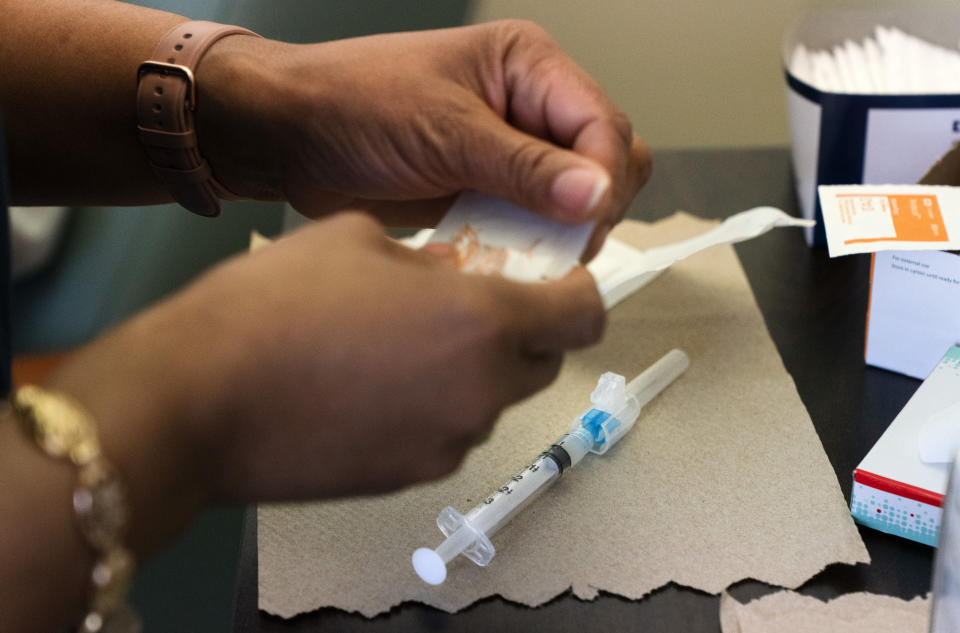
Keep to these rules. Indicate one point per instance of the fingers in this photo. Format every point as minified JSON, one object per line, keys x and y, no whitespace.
{"x":438,"y":253}
{"x":535,"y":173}
{"x":546,"y":320}
{"x":595,"y":243}
{"x":552,"y":317}
{"x":560,"y":315}
{"x":553,"y":141}
{"x":407,"y":213}
{"x":637,"y":175}
{"x":529,"y":375}
{"x":441,"y":250}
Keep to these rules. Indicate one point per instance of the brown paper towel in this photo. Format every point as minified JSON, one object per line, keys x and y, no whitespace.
{"x":789,"y":612}
{"x":722,"y":478}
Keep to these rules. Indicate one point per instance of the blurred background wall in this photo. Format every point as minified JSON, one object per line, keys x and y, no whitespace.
{"x":688,"y":73}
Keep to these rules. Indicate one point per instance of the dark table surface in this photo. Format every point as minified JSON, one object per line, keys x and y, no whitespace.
{"x":814,"y":308}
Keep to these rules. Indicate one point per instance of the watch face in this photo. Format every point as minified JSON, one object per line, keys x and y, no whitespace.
{"x":57,"y":424}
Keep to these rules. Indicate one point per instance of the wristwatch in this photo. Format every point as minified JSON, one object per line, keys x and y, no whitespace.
{"x":166,"y":104}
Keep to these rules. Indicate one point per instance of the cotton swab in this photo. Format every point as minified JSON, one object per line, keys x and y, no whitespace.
{"x":889,"y":62}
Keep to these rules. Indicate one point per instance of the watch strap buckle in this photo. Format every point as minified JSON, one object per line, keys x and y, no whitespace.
{"x":166,"y":68}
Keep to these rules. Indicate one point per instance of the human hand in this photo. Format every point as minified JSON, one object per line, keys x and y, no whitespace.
{"x":397,"y":124}
{"x":335,"y":362}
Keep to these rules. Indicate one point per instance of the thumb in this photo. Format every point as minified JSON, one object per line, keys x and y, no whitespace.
{"x":555,"y":182}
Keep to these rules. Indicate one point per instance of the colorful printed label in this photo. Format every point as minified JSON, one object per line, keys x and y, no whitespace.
{"x":896,"y":515}
{"x":869,"y":218}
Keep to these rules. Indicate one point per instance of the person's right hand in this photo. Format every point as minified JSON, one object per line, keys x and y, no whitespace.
{"x":332,"y":362}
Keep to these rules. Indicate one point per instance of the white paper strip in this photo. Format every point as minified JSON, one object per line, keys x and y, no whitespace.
{"x":619,"y":269}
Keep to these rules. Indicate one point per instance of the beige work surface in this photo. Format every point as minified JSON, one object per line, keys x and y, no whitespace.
{"x":723,"y":477}
{"x":789,"y":612}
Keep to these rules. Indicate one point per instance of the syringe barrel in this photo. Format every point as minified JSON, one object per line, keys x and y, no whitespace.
{"x":575,"y":444}
{"x":495,"y":511}
{"x":616,"y":407}
{"x":656,"y":377}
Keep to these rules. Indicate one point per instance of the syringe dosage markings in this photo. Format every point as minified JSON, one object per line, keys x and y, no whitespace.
{"x":508,"y":487}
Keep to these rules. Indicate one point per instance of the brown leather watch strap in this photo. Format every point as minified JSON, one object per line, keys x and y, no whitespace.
{"x":166,"y":100}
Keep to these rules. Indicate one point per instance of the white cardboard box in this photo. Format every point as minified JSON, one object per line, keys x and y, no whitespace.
{"x":894,"y":491}
{"x":913,"y":312}
{"x":844,"y":139}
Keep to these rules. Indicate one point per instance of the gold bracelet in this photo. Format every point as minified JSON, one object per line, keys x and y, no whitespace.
{"x":64,"y":430}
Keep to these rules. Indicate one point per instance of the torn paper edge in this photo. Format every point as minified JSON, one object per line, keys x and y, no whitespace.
{"x":731,"y":608}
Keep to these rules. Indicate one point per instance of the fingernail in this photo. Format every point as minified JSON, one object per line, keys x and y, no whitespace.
{"x":578,"y":190}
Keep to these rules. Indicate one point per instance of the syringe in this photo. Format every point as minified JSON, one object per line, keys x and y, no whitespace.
{"x":616,"y":406}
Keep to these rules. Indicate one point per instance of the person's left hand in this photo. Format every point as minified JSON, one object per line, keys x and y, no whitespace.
{"x":397,"y":124}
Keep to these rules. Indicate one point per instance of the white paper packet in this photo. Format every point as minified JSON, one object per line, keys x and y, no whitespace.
{"x":618,"y":268}
{"x":491,"y":235}
{"x":870,"y":218}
